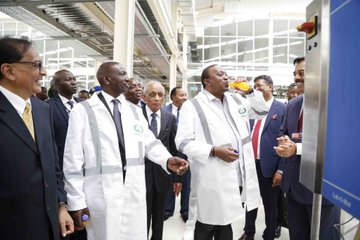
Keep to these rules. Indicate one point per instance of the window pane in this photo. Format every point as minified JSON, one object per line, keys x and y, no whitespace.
{"x":280,"y":50}
{"x":245,"y":28}
{"x":228,"y":30}
{"x":261,"y":27}
{"x":280,"y":27}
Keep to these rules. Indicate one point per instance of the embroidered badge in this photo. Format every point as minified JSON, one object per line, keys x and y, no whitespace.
{"x":242,"y":111}
{"x":275,"y":116}
{"x":138,"y":128}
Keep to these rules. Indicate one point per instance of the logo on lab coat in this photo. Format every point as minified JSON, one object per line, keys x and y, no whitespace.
{"x":138,"y":128}
{"x":242,"y":111}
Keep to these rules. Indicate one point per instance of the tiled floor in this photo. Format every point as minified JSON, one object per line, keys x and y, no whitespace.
{"x":174,"y":227}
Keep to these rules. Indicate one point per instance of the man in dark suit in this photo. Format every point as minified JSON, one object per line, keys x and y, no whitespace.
{"x":300,"y":199}
{"x":268,"y":167}
{"x":158,"y":182}
{"x":178,"y":96}
{"x":32,"y":196}
{"x":61,"y":105}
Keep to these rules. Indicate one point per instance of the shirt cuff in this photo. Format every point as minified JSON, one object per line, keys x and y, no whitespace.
{"x":298,"y":148}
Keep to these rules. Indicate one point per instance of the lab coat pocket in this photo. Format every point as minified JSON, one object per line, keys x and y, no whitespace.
{"x":94,"y":194}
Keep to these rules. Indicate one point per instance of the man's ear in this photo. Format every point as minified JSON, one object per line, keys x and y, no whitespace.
{"x":8,"y":72}
{"x":207,"y":82}
{"x":106,"y":79}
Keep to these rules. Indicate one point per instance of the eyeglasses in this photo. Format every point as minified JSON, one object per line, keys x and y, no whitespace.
{"x":35,"y":64}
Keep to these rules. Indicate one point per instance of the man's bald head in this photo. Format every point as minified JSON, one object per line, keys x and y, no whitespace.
{"x":113,"y":78}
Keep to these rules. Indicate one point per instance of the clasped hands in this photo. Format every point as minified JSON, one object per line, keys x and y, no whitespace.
{"x":177,"y":165}
{"x":286,"y":147}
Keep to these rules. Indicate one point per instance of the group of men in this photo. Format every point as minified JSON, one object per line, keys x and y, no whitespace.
{"x":118,"y":157}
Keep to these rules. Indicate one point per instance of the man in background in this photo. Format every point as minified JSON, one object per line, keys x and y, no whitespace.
{"x":178,"y":96}
{"x":268,"y":166}
{"x":43,"y":94}
{"x":61,"y":105}
{"x":84,"y":94}
{"x":158,"y":182}
{"x":292,"y":91}
{"x":135,"y":92}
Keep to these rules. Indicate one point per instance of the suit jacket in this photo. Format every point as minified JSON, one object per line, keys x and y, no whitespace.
{"x":153,"y":171}
{"x":30,"y":178}
{"x":290,"y":181}
{"x":60,"y":120}
{"x":168,"y":108}
{"x":269,"y":160}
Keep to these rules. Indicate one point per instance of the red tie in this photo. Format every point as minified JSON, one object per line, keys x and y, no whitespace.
{"x":299,"y":129}
{"x":255,"y":137}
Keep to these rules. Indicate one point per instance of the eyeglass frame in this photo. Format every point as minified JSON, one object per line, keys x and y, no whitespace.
{"x":37,"y":64}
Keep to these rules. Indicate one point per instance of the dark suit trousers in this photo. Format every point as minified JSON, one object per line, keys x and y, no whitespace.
{"x":185,"y":194}
{"x":270,"y":196}
{"x":300,"y":220}
{"x":212,"y":232}
{"x":155,"y":202}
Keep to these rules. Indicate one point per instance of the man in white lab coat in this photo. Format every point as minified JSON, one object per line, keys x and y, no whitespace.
{"x":214,"y":133}
{"x":107,"y":140}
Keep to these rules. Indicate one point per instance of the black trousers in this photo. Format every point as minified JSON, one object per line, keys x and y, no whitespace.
{"x":300,"y":220}
{"x":270,"y":196}
{"x":209,"y":232}
{"x":155,"y":202}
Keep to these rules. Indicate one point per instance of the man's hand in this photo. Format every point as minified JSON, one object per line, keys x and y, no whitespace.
{"x":226,"y":153}
{"x":177,"y":187}
{"x":76,"y":216}
{"x":286,"y":147}
{"x":276,"y":179}
{"x":66,"y":222}
{"x":177,"y":165}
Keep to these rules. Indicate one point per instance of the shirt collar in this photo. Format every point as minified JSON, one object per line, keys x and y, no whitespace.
{"x":65,"y":100}
{"x":209,"y":95}
{"x":109,"y":98}
{"x":174,"y":107}
{"x":149,"y":112}
{"x":16,"y":101}
{"x":270,"y":102}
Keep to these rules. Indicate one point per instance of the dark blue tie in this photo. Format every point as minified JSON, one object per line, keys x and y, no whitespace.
{"x":153,"y":124}
{"x":71,"y":103}
{"x":177,"y":115}
{"x":118,"y":124}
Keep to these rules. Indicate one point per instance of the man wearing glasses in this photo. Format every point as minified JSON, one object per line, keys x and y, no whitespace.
{"x":32,"y":196}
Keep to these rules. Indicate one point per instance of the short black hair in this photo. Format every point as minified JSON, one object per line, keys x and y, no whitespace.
{"x":267,"y":79}
{"x":173,"y":92}
{"x":298,"y":60}
{"x":205,"y":74}
{"x":84,"y":91}
{"x":12,"y":50}
{"x":292,"y":85}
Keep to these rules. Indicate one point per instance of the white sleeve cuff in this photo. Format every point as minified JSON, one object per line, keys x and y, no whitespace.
{"x":298,"y":148}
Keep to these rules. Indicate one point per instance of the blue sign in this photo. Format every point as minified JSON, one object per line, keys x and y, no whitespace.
{"x":341,"y":183}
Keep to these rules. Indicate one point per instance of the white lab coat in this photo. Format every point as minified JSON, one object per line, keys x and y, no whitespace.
{"x":215,"y":181}
{"x":117,"y":210}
